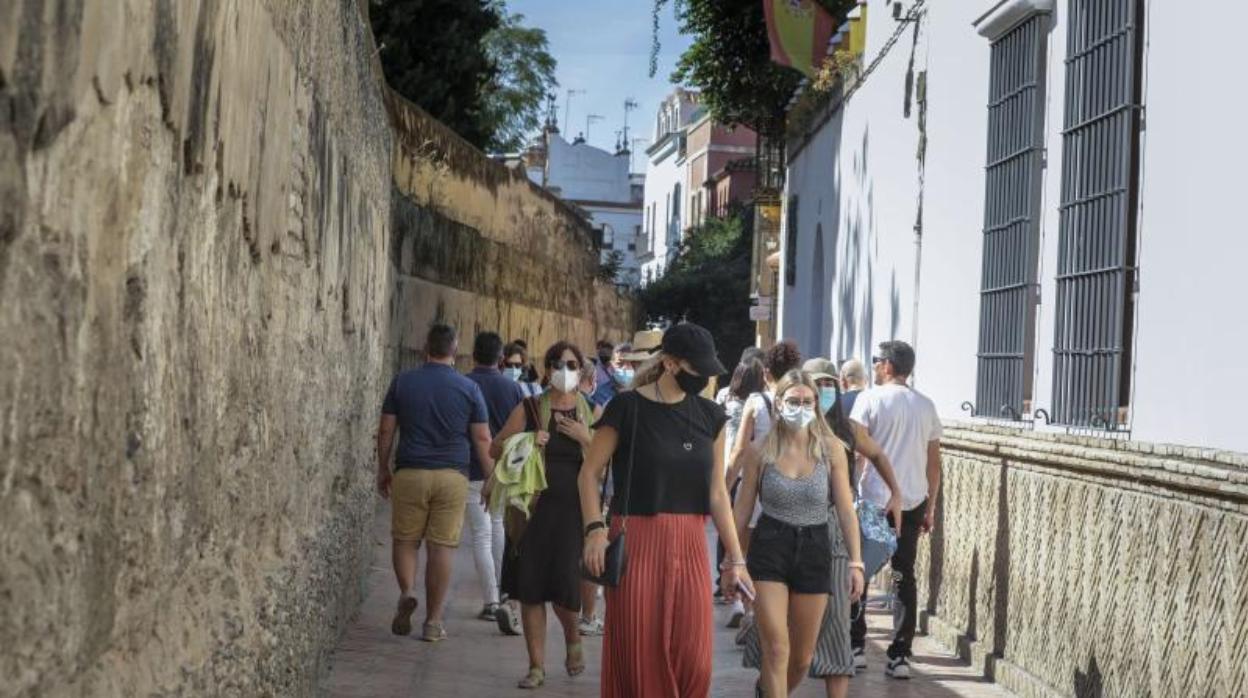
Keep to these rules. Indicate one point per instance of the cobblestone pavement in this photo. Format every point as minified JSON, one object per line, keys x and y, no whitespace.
{"x":478,"y":661}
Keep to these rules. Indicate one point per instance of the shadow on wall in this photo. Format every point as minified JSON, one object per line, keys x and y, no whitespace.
{"x":855,"y":286}
{"x":1089,"y":684}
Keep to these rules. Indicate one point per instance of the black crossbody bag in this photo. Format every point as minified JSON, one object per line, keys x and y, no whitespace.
{"x":615,"y":559}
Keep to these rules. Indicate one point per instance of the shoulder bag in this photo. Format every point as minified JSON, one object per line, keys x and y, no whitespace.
{"x":615,"y":559}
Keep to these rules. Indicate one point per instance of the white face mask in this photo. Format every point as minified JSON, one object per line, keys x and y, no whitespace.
{"x":797,"y":417}
{"x":565,"y":380}
{"x":512,"y":373}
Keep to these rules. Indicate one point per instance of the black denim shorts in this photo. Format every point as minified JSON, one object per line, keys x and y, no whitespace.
{"x":800,"y":557}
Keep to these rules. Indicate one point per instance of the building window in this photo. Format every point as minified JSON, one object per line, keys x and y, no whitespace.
{"x":1008,"y":291}
{"x":1097,"y":225}
{"x":790,"y":244}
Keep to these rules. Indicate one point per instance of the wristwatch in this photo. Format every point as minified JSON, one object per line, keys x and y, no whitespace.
{"x":594,"y":526}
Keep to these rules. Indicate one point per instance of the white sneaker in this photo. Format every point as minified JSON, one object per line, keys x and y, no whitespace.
{"x":898,"y":668}
{"x":590,"y":627}
{"x":738,"y":614}
{"x":860,"y":658}
{"x":508,"y":623}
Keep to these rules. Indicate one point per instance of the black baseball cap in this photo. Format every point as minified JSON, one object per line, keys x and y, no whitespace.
{"x":693,"y":344}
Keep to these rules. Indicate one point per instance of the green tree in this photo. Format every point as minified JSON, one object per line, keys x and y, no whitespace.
{"x":524,"y":73}
{"x":729,"y":61}
{"x":709,"y":283}
{"x":432,"y":53}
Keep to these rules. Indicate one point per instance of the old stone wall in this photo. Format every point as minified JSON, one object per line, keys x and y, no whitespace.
{"x":198,"y":289}
{"x":481,"y":247}
{"x":1078,"y":566}
{"x":194,"y":206}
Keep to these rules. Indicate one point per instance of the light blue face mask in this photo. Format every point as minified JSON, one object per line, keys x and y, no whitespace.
{"x":512,"y":373}
{"x":827,"y":398}
{"x":623,"y":376}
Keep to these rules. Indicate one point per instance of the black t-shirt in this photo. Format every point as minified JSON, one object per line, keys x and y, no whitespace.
{"x":666,"y":478}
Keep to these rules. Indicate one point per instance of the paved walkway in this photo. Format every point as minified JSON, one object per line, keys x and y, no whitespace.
{"x":478,"y":661}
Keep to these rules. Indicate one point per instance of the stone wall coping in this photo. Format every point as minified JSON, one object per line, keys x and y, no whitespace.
{"x":1220,"y":475}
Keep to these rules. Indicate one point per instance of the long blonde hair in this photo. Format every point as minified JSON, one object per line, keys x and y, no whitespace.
{"x":821,"y":438}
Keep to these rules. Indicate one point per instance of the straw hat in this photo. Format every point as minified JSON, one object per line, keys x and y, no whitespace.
{"x":645,"y":344}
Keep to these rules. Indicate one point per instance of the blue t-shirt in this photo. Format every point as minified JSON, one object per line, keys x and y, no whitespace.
{"x":606,"y":388}
{"x":502,"y":394}
{"x":435,"y":406}
{"x":848,"y":398}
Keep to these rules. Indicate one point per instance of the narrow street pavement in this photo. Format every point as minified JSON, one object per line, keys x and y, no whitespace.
{"x":478,"y":661}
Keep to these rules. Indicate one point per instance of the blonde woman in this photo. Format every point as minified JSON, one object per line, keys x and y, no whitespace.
{"x":800,"y":468}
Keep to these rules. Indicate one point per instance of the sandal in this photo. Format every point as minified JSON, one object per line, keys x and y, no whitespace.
{"x":402,"y":623}
{"x":535,"y":679}
{"x":576,"y":659}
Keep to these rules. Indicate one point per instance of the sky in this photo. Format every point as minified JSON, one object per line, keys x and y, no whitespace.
{"x":603,"y":48}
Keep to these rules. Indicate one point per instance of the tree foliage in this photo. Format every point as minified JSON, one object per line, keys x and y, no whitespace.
{"x":708,"y":283}
{"x":729,"y":61}
{"x":469,"y":63}
{"x":525,"y":72}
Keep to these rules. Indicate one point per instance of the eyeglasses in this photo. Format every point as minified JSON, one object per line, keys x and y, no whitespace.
{"x":878,"y":360}
{"x":796,"y":402}
{"x":571,"y":365}
{"x":513,"y":364}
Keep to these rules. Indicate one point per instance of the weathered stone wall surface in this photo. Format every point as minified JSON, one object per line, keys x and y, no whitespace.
{"x":198,"y":289}
{"x":194,"y":208}
{"x":1080,"y":566}
{"x":479,"y":246}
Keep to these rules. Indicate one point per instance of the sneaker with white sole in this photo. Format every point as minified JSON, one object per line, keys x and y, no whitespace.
{"x":745,"y":629}
{"x":590,"y":627}
{"x":898,"y":668}
{"x":506,"y":618}
{"x":738,"y":614}
{"x":488,"y":612}
{"x":402,"y":623}
{"x":860,"y":658}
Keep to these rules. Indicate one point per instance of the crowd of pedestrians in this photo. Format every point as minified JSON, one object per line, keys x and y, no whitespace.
{"x":588,"y":481}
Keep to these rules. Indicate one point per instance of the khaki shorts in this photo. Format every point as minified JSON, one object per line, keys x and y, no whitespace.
{"x":428,"y":505}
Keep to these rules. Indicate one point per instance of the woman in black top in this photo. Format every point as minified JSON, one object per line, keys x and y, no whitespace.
{"x":543,"y":566}
{"x":666,"y":444}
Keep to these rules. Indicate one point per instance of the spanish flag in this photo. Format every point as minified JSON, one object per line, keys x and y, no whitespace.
{"x":799,"y":31}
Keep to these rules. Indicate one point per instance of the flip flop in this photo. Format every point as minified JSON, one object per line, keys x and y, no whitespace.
{"x":576,"y":659}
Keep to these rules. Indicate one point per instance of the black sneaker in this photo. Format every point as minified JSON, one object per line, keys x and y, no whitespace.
{"x":898,"y":668}
{"x":860,"y":658}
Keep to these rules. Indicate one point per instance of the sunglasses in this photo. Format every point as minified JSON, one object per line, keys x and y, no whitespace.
{"x":571,"y":365}
{"x":877,"y":360}
{"x":796,"y":402}
{"x":513,"y":364}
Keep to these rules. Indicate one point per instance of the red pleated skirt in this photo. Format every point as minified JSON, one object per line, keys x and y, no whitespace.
{"x":658,"y":639}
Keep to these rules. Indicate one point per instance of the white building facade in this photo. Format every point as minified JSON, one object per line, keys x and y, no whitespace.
{"x":599,"y":183}
{"x":666,"y":183}
{"x":1041,"y":196}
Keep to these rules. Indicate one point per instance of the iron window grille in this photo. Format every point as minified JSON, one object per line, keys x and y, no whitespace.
{"x":790,"y":244}
{"x":1097,"y":236}
{"x":1013,"y":177}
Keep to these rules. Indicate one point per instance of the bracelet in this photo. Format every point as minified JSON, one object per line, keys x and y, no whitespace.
{"x":731,"y":563}
{"x":594,"y":526}
{"x":859,"y":566}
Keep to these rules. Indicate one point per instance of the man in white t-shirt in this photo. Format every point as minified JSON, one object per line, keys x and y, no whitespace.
{"x":904,"y":422}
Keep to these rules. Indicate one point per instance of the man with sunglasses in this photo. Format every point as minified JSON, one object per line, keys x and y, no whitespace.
{"x":904,"y":422}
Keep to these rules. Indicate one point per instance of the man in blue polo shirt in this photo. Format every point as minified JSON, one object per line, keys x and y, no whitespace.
{"x":442,"y":419}
{"x":485,"y":531}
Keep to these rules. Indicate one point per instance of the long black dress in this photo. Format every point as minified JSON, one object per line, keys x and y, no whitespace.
{"x":545,"y":565}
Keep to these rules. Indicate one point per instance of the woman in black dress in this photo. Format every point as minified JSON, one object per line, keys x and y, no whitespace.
{"x":544,"y":565}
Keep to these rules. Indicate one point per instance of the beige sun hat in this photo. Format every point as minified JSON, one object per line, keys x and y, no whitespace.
{"x":645,"y":344}
{"x":820,"y":369}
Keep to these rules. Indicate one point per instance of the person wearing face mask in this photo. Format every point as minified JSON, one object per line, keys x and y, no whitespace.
{"x":799,"y":471}
{"x":544,"y":565}
{"x":665,"y":443}
{"x":516,"y":367}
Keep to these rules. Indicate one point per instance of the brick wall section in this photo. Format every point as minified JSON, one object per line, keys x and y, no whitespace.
{"x":1081,"y":566}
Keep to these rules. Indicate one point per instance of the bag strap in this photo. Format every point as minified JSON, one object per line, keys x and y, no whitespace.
{"x":632,"y":449}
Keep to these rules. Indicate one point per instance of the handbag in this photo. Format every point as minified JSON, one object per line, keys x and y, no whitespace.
{"x":615,"y":559}
{"x":515,"y":522}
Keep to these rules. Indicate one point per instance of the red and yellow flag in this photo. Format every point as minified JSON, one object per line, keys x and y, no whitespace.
{"x":799,"y":31}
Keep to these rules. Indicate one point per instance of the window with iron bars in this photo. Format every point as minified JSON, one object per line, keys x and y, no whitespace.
{"x":790,"y":244}
{"x":1013,"y":177}
{"x":1096,"y":272}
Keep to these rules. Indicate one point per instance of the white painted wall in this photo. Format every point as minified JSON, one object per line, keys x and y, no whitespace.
{"x":582,"y":172}
{"x":623,"y":223}
{"x":665,"y":177}
{"x":858,"y":179}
